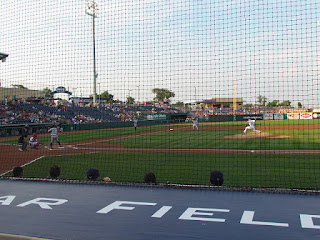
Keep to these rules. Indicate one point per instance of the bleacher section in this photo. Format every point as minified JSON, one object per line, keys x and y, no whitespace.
{"x":104,"y":114}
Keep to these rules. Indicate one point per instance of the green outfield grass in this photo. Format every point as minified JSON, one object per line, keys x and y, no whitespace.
{"x":298,"y":139}
{"x":251,"y":170}
{"x":247,"y":170}
{"x":70,"y":137}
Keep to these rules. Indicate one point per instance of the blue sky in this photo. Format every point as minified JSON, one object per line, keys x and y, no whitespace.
{"x":194,"y":48}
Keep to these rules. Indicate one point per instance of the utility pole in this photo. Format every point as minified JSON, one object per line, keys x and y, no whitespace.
{"x":91,"y":10}
{"x":99,"y":95}
{"x":234,"y":99}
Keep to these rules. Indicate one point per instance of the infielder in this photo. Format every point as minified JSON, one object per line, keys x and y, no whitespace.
{"x":195,"y":124}
{"x":135,"y":124}
{"x":54,"y":136}
{"x":251,"y":125}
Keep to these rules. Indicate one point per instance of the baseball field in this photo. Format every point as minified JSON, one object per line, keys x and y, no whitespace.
{"x":284,"y":155}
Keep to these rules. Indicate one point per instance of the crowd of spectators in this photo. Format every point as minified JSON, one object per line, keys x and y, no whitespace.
{"x":22,"y":112}
{"x":13,"y":114}
{"x":254,"y":110}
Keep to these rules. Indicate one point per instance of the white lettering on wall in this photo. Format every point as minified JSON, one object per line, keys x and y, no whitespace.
{"x":247,"y":218}
{"x":7,"y":199}
{"x":188,"y":214}
{"x":44,"y":203}
{"x":162,"y":211}
{"x":307,"y":221}
{"x":117,"y":205}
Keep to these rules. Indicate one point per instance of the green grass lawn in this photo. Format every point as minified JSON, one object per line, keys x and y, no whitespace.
{"x":69,"y":137}
{"x":299,"y":139}
{"x":250,"y":170}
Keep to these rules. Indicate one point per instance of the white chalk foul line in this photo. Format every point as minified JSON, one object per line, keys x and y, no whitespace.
{"x":117,"y":138}
{"x":24,"y":164}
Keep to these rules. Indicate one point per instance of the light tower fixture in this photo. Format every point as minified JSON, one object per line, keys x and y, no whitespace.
{"x":3,"y":56}
{"x":91,"y":10}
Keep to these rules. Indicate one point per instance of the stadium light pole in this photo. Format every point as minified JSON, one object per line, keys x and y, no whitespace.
{"x":99,"y":94}
{"x":3,"y":58}
{"x":138,"y":87}
{"x":91,"y":10}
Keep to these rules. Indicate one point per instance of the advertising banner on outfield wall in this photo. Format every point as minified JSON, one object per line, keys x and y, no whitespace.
{"x":278,"y":116}
{"x":293,"y":116}
{"x":305,"y":115}
{"x":268,"y":116}
{"x":316,"y":115}
{"x":247,"y":117}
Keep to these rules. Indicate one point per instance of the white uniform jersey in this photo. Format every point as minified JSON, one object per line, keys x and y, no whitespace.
{"x":251,"y":123}
{"x":32,"y":140}
{"x":54,"y":131}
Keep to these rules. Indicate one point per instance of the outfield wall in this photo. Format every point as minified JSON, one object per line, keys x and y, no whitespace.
{"x":16,"y":130}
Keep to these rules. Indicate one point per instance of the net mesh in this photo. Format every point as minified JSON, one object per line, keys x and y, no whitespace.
{"x":174,"y":88}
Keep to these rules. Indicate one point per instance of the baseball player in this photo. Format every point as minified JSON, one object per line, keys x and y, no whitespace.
{"x":251,"y":125}
{"x":23,"y":136}
{"x":195,"y":124}
{"x":23,"y":142}
{"x":135,"y":123}
{"x":34,"y":142}
{"x":54,"y":136}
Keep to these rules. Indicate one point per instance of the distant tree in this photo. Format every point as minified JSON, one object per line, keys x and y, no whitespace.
{"x":262,"y":100}
{"x":46,"y":92}
{"x":18,"y":86}
{"x":274,"y":103}
{"x":248,"y":105}
{"x":162,"y":94}
{"x":117,"y":101}
{"x":285,"y":103}
{"x":299,"y":105}
{"x":105,"y":95}
{"x":178,"y":104}
{"x":130,"y":100}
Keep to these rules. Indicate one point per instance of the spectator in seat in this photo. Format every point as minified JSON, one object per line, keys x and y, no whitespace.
{"x":55,"y":172}
{"x":18,"y":171}
{"x":150,"y":178}
{"x":94,"y":174}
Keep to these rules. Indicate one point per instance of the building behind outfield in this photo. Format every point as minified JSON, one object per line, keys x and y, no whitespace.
{"x":222,"y":103}
{"x":19,"y":93}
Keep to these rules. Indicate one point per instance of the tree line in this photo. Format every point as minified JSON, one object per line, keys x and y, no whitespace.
{"x":263,"y":101}
{"x":164,"y":95}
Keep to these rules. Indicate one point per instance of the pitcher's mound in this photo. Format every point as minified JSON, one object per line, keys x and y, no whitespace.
{"x":253,"y":135}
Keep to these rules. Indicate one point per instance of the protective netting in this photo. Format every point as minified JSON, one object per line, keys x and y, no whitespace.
{"x":172,"y":90}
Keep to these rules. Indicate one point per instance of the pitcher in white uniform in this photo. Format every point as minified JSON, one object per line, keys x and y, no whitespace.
{"x":251,"y":125}
{"x":195,"y":124}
